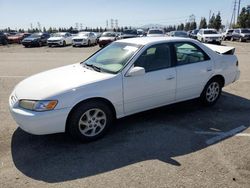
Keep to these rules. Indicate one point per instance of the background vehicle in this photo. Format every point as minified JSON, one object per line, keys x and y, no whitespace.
{"x":129,"y":33}
{"x":209,"y":36}
{"x":106,"y":38}
{"x":84,"y":39}
{"x":227,"y":35}
{"x":155,"y":33}
{"x":193,"y":33}
{"x":17,"y":38}
{"x":241,"y":34}
{"x":3,"y":39}
{"x":111,"y":84}
{"x":36,"y":39}
{"x":178,"y":34}
{"x":60,"y":39}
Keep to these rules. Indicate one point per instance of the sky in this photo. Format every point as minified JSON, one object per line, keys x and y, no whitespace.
{"x":94,"y":13}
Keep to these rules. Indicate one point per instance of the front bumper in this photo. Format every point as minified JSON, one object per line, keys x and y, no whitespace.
{"x":212,"y":40}
{"x":80,"y":43}
{"x":30,"y":43}
{"x":39,"y":123}
{"x":55,"y":43}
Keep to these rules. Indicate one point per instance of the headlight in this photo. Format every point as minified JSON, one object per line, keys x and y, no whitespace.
{"x":38,"y":105}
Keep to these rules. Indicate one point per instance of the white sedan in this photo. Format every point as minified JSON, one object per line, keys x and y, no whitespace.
{"x":126,"y":77}
{"x":85,"y":39}
{"x":209,"y":36}
{"x":60,"y":39}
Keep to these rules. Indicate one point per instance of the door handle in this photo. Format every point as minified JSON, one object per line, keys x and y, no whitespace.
{"x":170,"y":78}
{"x":209,"y":69}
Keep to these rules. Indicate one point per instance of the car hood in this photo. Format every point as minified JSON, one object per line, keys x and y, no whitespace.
{"x":30,"y":38}
{"x":57,"y":81}
{"x":80,"y":37}
{"x":55,"y":38}
{"x":212,"y":35}
{"x":155,"y":35}
{"x":107,"y":38}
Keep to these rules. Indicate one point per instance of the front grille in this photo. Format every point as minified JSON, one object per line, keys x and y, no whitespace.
{"x":78,"y":40}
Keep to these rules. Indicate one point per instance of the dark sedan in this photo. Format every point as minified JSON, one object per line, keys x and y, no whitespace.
{"x":193,"y":33}
{"x":3,"y":39}
{"x":36,"y":39}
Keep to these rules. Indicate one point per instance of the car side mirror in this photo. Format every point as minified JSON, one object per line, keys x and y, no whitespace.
{"x":136,"y":71}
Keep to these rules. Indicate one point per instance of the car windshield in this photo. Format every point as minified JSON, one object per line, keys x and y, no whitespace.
{"x":245,"y":31}
{"x":108,"y":35}
{"x":155,"y":32}
{"x":58,"y":35}
{"x":210,"y":32}
{"x":180,"y":33}
{"x":130,"y":31}
{"x":112,"y":58}
{"x":35,"y":35}
{"x":83,"y":34}
{"x":230,"y":31}
{"x":195,"y":31}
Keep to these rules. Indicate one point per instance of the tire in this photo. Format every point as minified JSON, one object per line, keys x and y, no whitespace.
{"x":89,"y":43}
{"x":211,"y":93}
{"x":89,"y":121}
{"x":232,"y":39}
{"x":64,"y":43}
{"x":202,"y":40}
{"x":40,"y":44}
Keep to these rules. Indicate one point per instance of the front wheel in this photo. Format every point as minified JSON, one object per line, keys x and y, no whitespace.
{"x":89,"y":121}
{"x":211,"y":92}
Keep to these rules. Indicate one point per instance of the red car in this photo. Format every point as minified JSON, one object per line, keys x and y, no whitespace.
{"x":106,"y":38}
{"x":17,"y":38}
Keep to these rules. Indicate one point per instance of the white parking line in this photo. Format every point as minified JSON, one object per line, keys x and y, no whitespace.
{"x":222,"y":135}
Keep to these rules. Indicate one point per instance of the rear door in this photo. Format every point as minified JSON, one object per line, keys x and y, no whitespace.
{"x":194,"y":68}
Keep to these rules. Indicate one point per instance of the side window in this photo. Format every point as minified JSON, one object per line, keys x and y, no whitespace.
{"x":155,"y":58}
{"x":187,"y":53}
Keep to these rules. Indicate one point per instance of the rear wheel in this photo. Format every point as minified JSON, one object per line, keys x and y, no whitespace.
{"x":211,"y":92}
{"x":89,"y":121}
{"x":64,"y":43}
{"x":89,"y":43}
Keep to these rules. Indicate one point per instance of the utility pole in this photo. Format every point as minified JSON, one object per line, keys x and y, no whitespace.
{"x":233,"y":18}
{"x":238,"y":9}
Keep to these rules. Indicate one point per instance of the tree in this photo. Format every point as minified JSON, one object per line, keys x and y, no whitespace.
{"x":203,"y":23}
{"x":211,"y":22}
{"x":244,"y":18}
{"x":193,"y":25}
{"x":187,"y":26}
{"x":217,"y":21}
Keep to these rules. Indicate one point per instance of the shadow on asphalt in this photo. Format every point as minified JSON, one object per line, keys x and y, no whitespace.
{"x":161,"y":134}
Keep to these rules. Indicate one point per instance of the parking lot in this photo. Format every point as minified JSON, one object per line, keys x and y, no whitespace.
{"x":181,"y":145}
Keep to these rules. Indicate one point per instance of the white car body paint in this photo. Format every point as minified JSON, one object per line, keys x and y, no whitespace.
{"x":58,"y":40}
{"x":74,"y":83}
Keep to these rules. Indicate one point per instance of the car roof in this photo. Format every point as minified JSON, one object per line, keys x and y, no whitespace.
{"x":152,"y":40}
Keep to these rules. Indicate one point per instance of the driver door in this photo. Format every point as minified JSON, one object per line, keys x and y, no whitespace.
{"x":154,"y":88}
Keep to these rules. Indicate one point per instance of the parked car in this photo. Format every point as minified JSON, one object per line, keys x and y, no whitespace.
{"x":17,"y":38}
{"x":227,"y":35}
{"x":60,"y":39}
{"x":3,"y":39}
{"x":178,"y":34}
{"x":241,"y":34}
{"x":126,"y":77}
{"x":85,"y":39}
{"x":129,"y":33}
{"x":106,"y":38}
{"x":209,"y":36}
{"x":193,"y":34}
{"x":155,"y":33}
{"x":36,"y":39}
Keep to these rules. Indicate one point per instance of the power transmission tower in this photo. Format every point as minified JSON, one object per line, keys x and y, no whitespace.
{"x":107,"y":24}
{"x":233,"y":18}
{"x":112,"y":23}
{"x":116,"y":24}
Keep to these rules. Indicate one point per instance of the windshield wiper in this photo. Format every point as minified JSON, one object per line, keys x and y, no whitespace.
{"x":98,"y":69}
